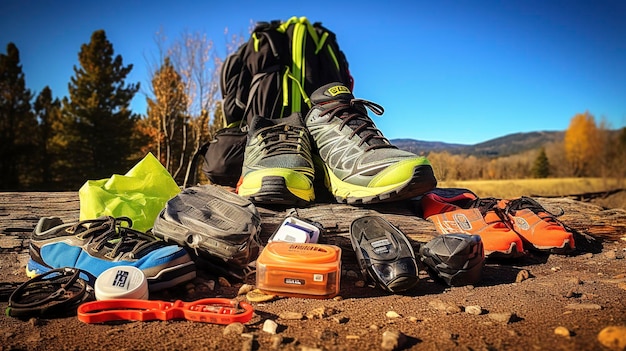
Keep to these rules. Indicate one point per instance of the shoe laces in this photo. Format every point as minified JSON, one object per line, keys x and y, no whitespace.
{"x":285,"y":139}
{"x":353,"y":113}
{"x":115,"y":235}
{"x":490,"y":204}
{"x":525,"y":202}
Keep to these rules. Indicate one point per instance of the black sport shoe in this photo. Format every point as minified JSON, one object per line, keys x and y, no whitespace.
{"x":361,"y":165}
{"x":95,"y":245}
{"x":278,"y":167}
{"x":384,"y":253}
{"x":456,"y":259}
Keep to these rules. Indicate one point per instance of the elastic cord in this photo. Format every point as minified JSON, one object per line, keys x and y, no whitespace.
{"x":56,"y":292}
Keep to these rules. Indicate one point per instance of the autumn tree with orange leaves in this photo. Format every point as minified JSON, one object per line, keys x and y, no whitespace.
{"x":582,"y":143}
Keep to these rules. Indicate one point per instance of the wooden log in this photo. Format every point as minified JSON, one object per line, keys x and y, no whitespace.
{"x":20,"y":211}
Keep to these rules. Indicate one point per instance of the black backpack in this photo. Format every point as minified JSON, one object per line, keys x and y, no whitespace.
{"x":271,"y":75}
{"x":281,"y":65}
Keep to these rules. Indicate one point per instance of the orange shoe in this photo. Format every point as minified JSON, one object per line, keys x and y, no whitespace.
{"x":484,"y":219}
{"x":538,"y":228}
{"x":440,"y":200}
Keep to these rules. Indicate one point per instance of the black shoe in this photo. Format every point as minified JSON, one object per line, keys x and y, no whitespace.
{"x":384,"y":253}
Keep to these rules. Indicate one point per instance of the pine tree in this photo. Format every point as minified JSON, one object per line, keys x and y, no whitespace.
{"x":17,"y":124}
{"x":101,"y":122}
{"x":541,"y":167}
{"x":48,"y":113}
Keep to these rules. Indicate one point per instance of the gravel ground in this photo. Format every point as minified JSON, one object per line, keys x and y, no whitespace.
{"x":540,"y":302}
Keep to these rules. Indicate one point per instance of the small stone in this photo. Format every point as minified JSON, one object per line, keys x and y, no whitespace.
{"x":392,"y":314}
{"x":562,"y":331}
{"x":211,"y":285}
{"x":321,"y":312}
{"x":257,"y":295}
{"x":352,"y":337}
{"x":521,"y":276}
{"x":245,"y":288}
{"x":587,"y":256}
{"x":269,"y":326}
{"x":234,"y":328}
{"x":413,"y":319}
{"x":613,"y":337}
{"x":248,"y":342}
{"x":504,"y":317}
{"x":555,"y":269}
{"x":393,"y":340}
{"x":35,"y":321}
{"x":374,"y":327}
{"x":277,"y":340}
{"x":293,"y":316}
{"x":610,"y":255}
{"x":621,"y":285}
{"x":444,"y":306}
{"x":224,"y":282}
{"x":337,"y":298}
{"x":341,"y":320}
{"x":474,"y":309}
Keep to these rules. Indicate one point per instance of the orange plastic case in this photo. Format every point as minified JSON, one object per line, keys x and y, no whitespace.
{"x":299,"y":269}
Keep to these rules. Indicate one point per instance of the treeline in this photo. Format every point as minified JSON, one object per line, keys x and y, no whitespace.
{"x":47,"y":143}
{"x":588,"y":149}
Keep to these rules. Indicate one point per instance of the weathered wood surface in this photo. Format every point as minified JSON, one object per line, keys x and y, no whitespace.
{"x":20,"y":211}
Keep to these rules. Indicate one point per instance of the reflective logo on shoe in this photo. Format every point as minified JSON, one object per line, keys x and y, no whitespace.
{"x":462,"y":221}
{"x":522,"y":223}
{"x":381,"y":246}
{"x":339,"y":89}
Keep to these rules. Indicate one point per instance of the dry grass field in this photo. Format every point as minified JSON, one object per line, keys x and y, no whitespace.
{"x":549,"y":187}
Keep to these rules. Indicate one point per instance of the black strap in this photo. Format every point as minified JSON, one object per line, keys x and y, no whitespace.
{"x":54,"y":293}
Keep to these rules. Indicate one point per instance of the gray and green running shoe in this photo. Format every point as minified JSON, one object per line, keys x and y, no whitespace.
{"x":361,"y":165}
{"x":278,"y":166}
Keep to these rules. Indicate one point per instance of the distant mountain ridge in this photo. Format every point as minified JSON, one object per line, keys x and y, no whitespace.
{"x":503,"y":146}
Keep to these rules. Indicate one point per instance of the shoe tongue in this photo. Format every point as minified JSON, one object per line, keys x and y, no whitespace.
{"x":330,"y":92}
{"x":334,"y":93}
{"x":259,"y":122}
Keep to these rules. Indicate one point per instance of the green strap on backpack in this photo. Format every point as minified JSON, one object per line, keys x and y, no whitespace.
{"x":274,"y":73}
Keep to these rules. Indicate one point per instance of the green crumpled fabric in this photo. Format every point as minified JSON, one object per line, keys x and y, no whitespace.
{"x":140,"y":194}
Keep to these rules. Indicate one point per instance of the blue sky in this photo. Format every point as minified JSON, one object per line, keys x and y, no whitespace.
{"x":453,"y":71}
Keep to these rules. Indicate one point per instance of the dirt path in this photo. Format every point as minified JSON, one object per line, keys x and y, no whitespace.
{"x":541,"y":302}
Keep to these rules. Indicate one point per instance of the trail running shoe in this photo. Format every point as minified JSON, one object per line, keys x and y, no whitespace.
{"x":361,"y":165}
{"x":278,"y":168}
{"x":440,"y":200}
{"x":484,"y":218}
{"x":384,"y":253}
{"x":538,"y":228}
{"x":94,"y":245}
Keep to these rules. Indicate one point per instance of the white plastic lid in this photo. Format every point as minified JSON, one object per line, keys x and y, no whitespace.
{"x":122,"y":282}
{"x":295,"y":230}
